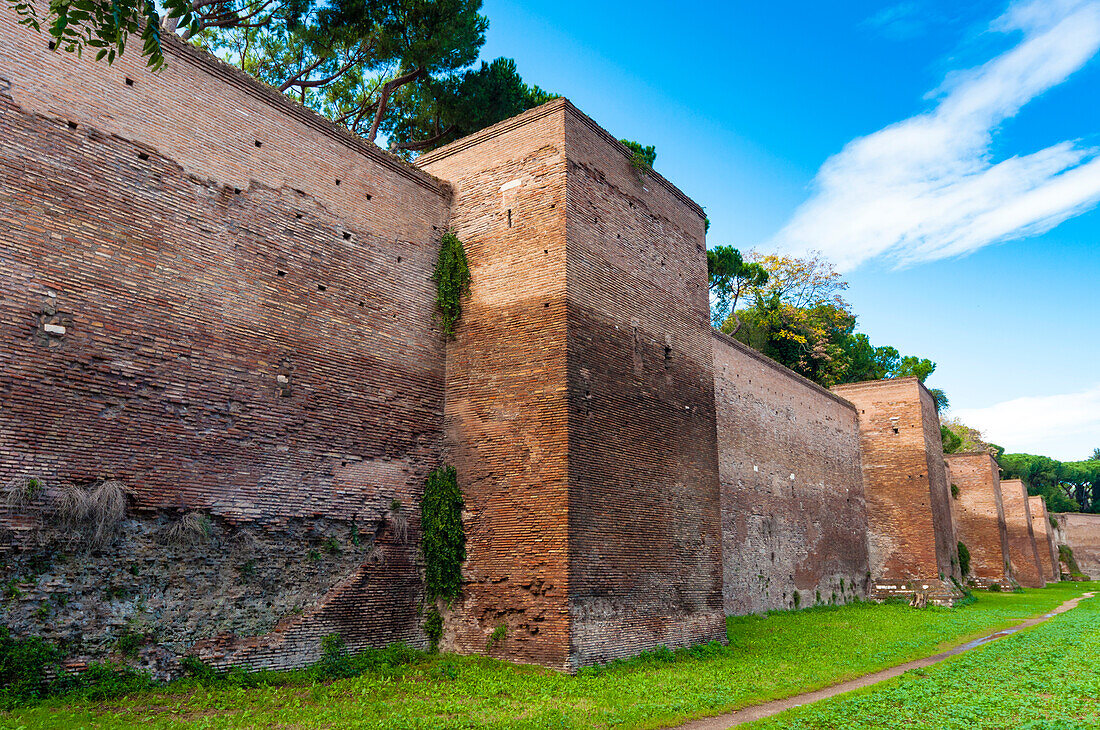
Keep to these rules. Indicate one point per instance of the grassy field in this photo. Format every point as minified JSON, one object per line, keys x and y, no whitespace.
{"x":768,"y":657}
{"x":1044,"y":678}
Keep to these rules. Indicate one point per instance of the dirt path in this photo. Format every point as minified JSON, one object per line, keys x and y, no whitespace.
{"x":757,"y":712}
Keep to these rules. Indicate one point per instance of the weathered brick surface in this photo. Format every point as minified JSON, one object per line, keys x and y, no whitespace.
{"x":1081,"y":532}
{"x":190,"y":309}
{"x":645,"y":554}
{"x":912,"y":541}
{"x":580,"y":398}
{"x":1023,"y":552}
{"x":506,"y":419}
{"x":980,"y":517}
{"x":794,"y":518}
{"x":1044,"y":538}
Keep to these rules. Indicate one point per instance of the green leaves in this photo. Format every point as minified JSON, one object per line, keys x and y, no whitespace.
{"x":642,"y":157}
{"x":452,"y":281}
{"x":444,"y":539}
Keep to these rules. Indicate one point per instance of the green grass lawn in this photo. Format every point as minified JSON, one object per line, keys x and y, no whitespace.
{"x":768,"y":657}
{"x":1045,"y":677}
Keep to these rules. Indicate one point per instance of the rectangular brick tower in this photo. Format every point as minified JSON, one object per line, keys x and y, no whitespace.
{"x":1023,"y":553}
{"x":912,"y":544}
{"x":1044,"y":538}
{"x":580,"y":398}
{"x":980,"y":520}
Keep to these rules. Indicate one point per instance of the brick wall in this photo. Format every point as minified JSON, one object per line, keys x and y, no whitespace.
{"x":506,"y":419}
{"x":1081,"y":532}
{"x":911,"y":535}
{"x":794,"y":518}
{"x":1023,"y":553}
{"x":190,"y":309}
{"x":580,"y":401}
{"x":645,"y":554}
{"x":1044,"y":538}
{"x":980,"y":518}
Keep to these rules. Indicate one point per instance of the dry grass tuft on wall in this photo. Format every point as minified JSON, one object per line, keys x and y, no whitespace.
{"x":95,"y":512}
{"x":192,"y":528}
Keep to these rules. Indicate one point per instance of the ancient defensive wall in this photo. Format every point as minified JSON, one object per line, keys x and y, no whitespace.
{"x":219,"y":325}
{"x":1044,"y":538}
{"x":980,"y":517}
{"x":221,"y":302}
{"x":580,"y":396}
{"x":794,"y":518}
{"x":1081,"y":532}
{"x":1023,"y":551}
{"x":913,"y":548}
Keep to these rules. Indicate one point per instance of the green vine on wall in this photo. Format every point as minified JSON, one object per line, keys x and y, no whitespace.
{"x":964,"y":560}
{"x":452,"y":281}
{"x":444,"y":540}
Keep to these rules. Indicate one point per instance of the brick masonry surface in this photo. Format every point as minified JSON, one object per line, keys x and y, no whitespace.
{"x":224,"y":303}
{"x":911,"y":535}
{"x":794,"y":519}
{"x":980,"y":518}
{"x":189,"y":309}
{"x":1023,"y":553}
{"x":580,"y":397}
{"x":1081,"y":532}
{"x":1044,"y":538}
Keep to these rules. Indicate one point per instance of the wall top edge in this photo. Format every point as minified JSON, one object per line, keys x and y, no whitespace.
{"x":563,"y":105}
{"x":205,"y":61}
{"x":760,"y":357}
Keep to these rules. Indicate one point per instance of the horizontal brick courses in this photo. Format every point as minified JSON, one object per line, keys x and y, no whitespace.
{"x":912,"y":542}
{"x":1023,"y":552}
{"x":1044,"y":541}
{"x":980,"y":517}
{"x":794,"y":517}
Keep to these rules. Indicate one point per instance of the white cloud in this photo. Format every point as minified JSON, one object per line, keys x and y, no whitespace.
{"x":1065,"y":427}
{"x":928,"y":188}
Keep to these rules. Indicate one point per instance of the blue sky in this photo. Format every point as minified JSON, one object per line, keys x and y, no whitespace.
{"x":944,"y":157}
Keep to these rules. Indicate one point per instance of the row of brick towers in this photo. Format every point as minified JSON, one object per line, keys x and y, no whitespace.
{"x":224,"y":303}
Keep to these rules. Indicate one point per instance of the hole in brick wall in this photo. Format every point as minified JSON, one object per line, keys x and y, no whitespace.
{"x":143,"y":155}
{"x":360,"y":304}
{"x":337,"y":181}
{"x":546,"y":305}
{"x":321,"y":287}
{"x":398,"y":259}
{"x":236,"y":191}
{"x":546,"y":250}
{"x":509,"y":217}
{"x":259,"y":143}
{"x":129,"y":81}
{"x":52,"y":45}
{"x":347,"y":236}
{"x":895,"y":430}
{"x":668,"y":357}
{"x":298,"y":216}
{"x":280,"y":272}
{"x":72,"y":125}
{"x":368,"y":198}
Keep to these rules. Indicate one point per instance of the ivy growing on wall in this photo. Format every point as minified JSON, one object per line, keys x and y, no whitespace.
{"x":443,"y":541}
{"x":964,"y":560}
{"x":452,"y":281}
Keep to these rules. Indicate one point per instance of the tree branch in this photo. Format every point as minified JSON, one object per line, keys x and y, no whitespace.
{"x":384,"y":97}
{"x":418,"y":145}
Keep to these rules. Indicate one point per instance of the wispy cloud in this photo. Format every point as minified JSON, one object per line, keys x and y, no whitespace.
{"x":901,"y":22}
{"x":1065,"y":427}
{"x":928,"y":187}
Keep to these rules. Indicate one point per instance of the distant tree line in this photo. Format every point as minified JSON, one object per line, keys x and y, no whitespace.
{"x":1067,"y":486}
